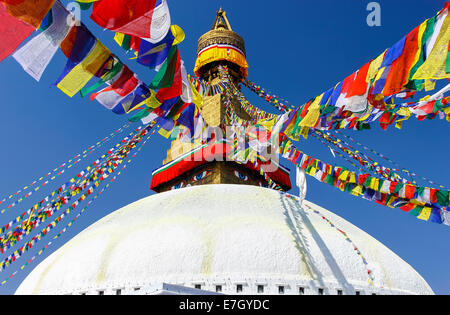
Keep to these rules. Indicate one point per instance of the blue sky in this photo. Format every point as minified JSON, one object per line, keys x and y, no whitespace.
{"x":297,"y":49}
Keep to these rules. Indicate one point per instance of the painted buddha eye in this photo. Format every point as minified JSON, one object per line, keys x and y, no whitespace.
{"x":178,"y":186}
{"x":200,"y":176}
{"x":241,"y":176}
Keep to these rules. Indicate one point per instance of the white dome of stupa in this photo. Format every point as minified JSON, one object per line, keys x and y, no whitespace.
{"x":236,"y":239}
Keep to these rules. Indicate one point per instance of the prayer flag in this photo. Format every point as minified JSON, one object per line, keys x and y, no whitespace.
{"x":35,"y":56}
{"x":80,"y":75}
{"x":31,"y":12}
{"x":145,"y":19}
{"x":154,"y":55}
{"x":12,"y":32}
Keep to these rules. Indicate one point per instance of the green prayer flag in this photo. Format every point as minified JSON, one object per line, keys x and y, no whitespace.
{"x":416,"y":211}
{"x":175,"y":108}
{"x":85,"y":5}
{"x":398,"y":188}
{"x":442,"y":197}
{"x":447,"y":63}
{"x":116,"y":68}
{"x":126,"y":43}
{"x":165,"y":75}
{"x":418,"y":84}
{"x":140,"y":115}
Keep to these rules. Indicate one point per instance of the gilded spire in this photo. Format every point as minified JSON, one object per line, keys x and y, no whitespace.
{"x":221,"y":33}
{"x":221,"y":21}
{"x":226,"y":45}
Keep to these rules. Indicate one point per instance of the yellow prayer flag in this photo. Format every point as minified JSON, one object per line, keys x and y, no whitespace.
{"x":344,"y":175}
{"x":425,"y":214}
{"x":80,"y":75}
{"x":434,"y":65}
{"x":357,"y":190}
{"x":151,"y":102}
{"x":197,"y":99}
{"x":166,"y":134}
{"x":374,"y":67}
{"x":304,"y":131}
{"x":313,"y":113}
{"x":352,"y":178}
{"x":430,"y":85}
{"x":178,"y":34}
{"x":374,"y":183}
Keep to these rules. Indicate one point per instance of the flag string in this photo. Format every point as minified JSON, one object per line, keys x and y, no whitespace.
{"x":101,"y":171}
{"x":19,"y":253}
{"x":61,"y":170}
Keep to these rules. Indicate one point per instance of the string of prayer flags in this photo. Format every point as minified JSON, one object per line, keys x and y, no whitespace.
{"x":427,"y":204}
{"x":362,"y":159}
{"x":64,"y":188}
{"x":94,"y":177}
{"x":28,"y":245}
{"x":371,"y":277}
{"x":415,"y":63}
{"x":60,"y":170}
{"x":398,"y":167}
{"x":144,"y":27}
{"x":267,"y":96}
{"x":229,"y":87}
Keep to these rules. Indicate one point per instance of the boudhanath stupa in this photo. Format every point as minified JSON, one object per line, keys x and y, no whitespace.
{"x":216,"y":227}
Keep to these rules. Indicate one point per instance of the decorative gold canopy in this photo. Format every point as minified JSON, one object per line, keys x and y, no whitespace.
{"x":221,"y":43}
{"x":221,"y":33}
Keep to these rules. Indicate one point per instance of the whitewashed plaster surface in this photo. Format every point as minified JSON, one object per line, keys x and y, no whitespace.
{"x":222,"y":235}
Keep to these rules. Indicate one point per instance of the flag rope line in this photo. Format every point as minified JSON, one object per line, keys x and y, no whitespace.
{"x":62,"y":168}
{"x":76,"y":217}
{"x":365,"y":161}
{"x":400,"y":168}
{"x":379,"y":167}
{"x":64,"y":195}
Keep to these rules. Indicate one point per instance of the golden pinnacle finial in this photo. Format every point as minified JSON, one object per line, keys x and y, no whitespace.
{"x":221,"y":43}
{"x":221,"y":21}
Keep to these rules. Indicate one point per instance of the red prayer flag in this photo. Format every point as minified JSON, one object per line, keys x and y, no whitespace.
{"x":433,"y":196}
{"x":399,"y":73}
{"x":177,"y":86}
{"x":131,"y":17}
{"x":305,"y":109}
{"x":123,"y":86}
{"x":408,"y":207}
{"x":348,"y":83}
{"x":359,"y":86}
{"x":31,"y":12}
{"x":409,"y":191}
{"x":12,"y":32}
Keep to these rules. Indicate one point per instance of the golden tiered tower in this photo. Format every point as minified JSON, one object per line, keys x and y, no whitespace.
{"x":220,"y":46}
